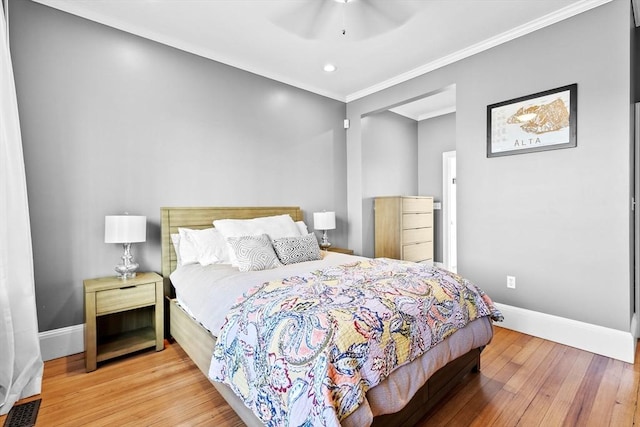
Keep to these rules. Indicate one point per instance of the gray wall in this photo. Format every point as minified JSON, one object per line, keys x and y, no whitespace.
{"x":435,"y":136}
{"x":557,"y":220}
{"x":112,"y":122}
{"x":390,"y":164}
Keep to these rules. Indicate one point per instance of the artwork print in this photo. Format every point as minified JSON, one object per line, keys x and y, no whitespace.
{"x":538,"y":122}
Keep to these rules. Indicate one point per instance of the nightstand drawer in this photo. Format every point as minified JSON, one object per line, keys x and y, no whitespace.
{"x":125,"y":298}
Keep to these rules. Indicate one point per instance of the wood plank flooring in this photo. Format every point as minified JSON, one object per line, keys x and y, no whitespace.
{"x":525,"y":381}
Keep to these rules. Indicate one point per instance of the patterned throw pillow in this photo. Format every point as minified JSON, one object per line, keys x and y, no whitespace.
{"x":254,"y":252}
{"x":297,"y":249}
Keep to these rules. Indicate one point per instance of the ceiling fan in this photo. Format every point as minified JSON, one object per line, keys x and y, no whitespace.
{"x":351,"y":19}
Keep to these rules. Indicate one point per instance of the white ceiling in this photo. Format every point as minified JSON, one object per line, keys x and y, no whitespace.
{"x":386,"y":41}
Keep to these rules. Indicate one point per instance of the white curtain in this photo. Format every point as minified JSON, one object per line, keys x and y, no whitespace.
{"x":20,"y":359}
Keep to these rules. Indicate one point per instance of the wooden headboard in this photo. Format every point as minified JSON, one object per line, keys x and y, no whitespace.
{"x":203,"y":217}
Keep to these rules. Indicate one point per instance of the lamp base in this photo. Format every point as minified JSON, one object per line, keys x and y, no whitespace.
{"x":127,"y":270}
{"x":126,"y":274}
{"x":324,"y":243}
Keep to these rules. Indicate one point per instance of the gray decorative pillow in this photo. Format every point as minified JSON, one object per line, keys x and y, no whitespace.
{"x":254,"y":252}
{"x":297,"y":249}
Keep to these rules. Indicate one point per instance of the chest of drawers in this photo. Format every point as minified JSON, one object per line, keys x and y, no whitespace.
{"x":404,"y":228}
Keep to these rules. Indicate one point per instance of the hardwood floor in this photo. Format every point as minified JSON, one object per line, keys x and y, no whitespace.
{"x":525,"y":381}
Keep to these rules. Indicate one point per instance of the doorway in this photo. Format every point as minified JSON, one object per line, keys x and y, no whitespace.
{"x":449,"y":208}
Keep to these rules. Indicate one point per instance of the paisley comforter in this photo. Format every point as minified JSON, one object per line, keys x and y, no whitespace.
{"x":305,"y":350}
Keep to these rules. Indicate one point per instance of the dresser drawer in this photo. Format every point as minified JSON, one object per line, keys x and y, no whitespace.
{"x":417,"y":252}
{"x":417,"y":235}
{"x":125,"y":298}
{"x":417,"y":205}
{"x":417,"y":220}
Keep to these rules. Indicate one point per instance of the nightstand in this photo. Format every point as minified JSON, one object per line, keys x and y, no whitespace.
{"x":341,"y":250}
{"x":122,"y":316}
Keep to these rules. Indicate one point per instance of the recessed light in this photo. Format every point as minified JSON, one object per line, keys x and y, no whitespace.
{"x":330,"y":68}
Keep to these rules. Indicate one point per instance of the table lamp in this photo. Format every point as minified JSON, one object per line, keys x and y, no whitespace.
{"x":324,"y":221}
{"x":125,"y":229}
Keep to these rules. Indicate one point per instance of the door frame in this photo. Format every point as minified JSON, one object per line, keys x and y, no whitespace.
{"x":447,"y":156}
{"x":635,"y":224}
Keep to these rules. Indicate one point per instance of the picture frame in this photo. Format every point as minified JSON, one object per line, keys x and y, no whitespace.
{"x":538,"y":122}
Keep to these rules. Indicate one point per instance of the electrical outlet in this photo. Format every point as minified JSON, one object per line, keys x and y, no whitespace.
{"x":511,"y":282}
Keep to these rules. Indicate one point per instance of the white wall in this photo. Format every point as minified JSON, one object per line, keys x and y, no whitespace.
{"x":557,"y":220}
{"x":435,"y":136}
{"x":390,"y":164}
{"x":112,"y":122}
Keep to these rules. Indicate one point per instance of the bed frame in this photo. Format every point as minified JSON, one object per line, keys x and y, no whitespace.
{"x":198,"y":342}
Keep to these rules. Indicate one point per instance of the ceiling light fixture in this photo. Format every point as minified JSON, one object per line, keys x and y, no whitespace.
{"x":330,"y":68}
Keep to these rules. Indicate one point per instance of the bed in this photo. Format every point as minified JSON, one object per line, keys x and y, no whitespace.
{"x":450,"y":361}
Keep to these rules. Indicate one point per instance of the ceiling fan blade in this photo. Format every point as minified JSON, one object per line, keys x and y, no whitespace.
{"x":391,"y":11}
{"x":368,"y":18}
{"x":307,"y":18}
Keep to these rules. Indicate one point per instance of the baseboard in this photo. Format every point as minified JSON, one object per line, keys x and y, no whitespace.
{"x":596,"y":339}
{"x":61,"y":342}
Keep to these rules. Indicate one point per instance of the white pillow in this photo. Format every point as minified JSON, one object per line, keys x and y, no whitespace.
{"x":209,"y":245}
{"x":302,"y":228}
{"x":254,"y":253}
{"x":276,"y":227}
{"x":187,"y":252}
{"x":175,"y":239}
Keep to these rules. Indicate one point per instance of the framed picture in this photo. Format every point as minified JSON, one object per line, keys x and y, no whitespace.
{"x":538,"y":122}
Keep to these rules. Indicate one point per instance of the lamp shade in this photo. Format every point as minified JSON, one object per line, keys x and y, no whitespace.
{"x":125,"y":228}
{"x":324,"y":220}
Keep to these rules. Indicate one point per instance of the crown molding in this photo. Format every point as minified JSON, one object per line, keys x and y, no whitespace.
{"x":77,"y":9}
{"x":545,"y":21}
